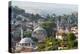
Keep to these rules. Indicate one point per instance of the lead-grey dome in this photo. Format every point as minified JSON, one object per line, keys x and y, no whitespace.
{"x":26,"y":43}
{"x":26,"y":40}
{"x":39,"y":33}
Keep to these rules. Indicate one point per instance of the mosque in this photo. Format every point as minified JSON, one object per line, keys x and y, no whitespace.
{"x":27,"y":44}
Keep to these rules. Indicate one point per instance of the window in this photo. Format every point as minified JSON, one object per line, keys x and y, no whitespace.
{"x":23,"y":44}
{"x":33,"y":43}
{"x":27,"y":44}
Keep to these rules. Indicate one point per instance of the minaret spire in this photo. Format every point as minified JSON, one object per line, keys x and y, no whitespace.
{"x":21,"y":33}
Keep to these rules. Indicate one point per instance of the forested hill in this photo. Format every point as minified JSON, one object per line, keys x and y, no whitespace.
{"x":71,"y":18}
{"x":18,"y":11}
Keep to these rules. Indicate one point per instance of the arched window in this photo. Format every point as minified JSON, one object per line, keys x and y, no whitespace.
{"x":27,"y":44}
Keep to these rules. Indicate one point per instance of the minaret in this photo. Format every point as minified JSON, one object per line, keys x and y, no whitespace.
{"x":57,"y":25}
{"x":22,"y":27}
{"x":21,"y":33}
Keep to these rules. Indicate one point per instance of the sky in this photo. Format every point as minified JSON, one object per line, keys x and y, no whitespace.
{"x":45,"y":8}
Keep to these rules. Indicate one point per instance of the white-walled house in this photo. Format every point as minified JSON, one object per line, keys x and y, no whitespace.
{"x":75,"y":31}
{"x":59,"y":34}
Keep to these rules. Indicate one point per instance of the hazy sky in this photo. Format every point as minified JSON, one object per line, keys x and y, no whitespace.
{"x":45,"y":8}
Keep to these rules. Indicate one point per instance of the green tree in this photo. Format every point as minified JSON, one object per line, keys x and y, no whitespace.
{"x":49,"y":26}
{"x":71,"y":36}
{"x":49,"y":44}
{"x":34,"y":39}
{"x":27,"y":34}
{"x":71,"y":40}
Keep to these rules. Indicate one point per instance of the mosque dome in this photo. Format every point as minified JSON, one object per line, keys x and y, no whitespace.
{"x":26,"y":45}
{"x":39,"y":33}
{"x":26,"y":40}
